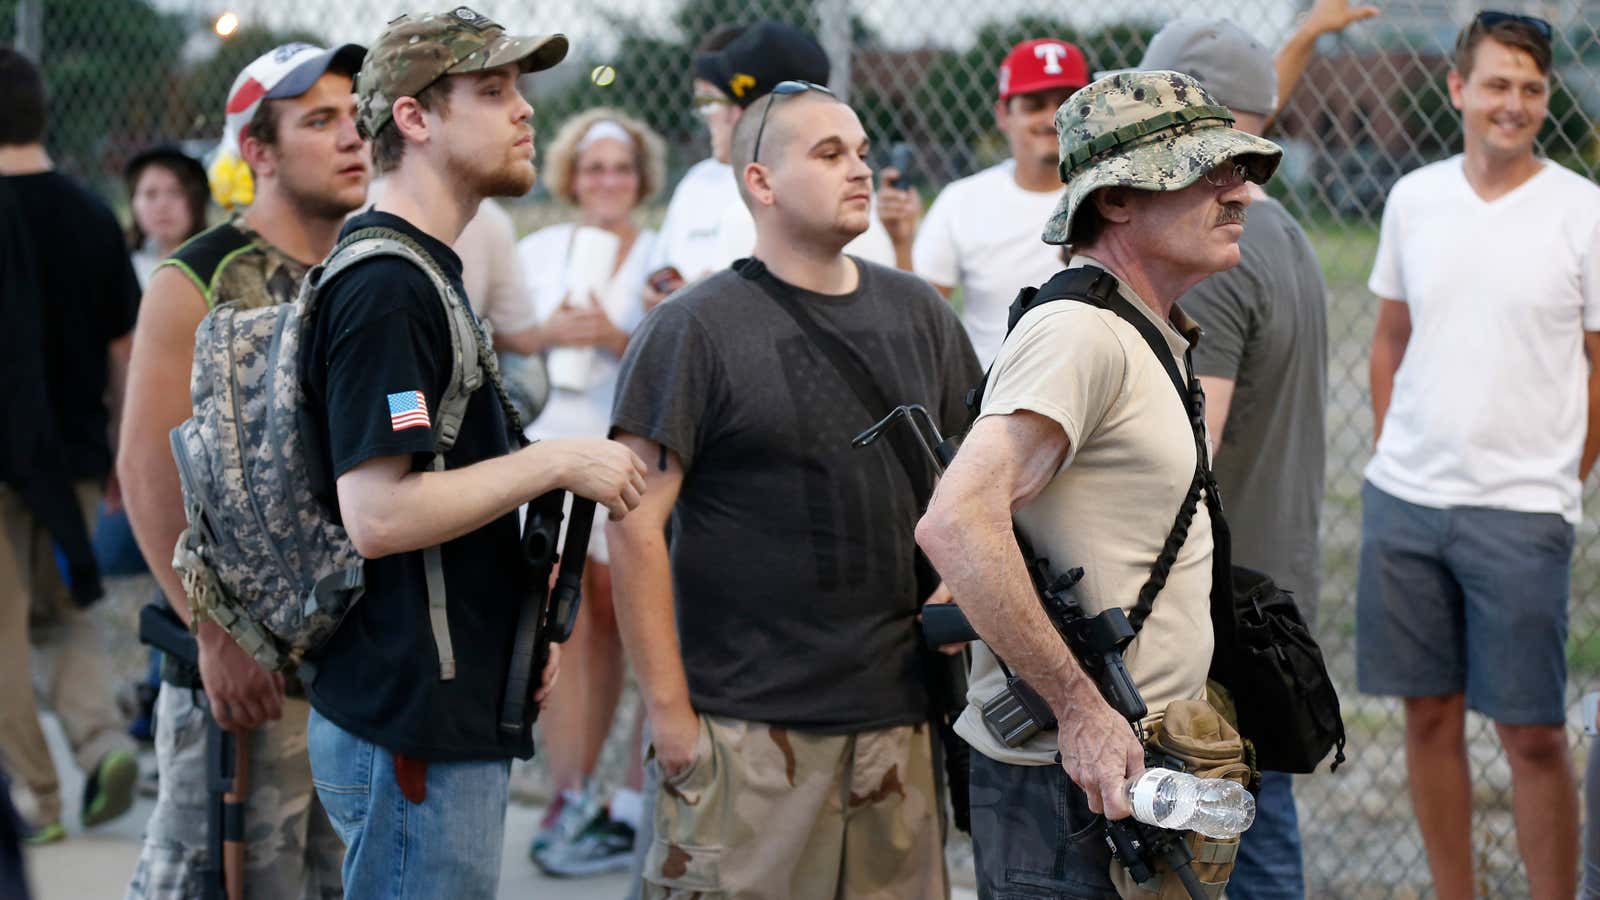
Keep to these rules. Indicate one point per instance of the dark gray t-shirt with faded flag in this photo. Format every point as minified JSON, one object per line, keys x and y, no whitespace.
{"x":1265,"y":327}
{"x":792,"y":552}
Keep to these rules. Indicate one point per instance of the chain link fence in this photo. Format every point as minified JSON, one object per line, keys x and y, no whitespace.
{"x":1372,"y":106}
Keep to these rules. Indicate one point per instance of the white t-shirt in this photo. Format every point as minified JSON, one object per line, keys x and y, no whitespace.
{"x":544,"y":259}
{"x":708,"y":226}
{"x":982,"y":234}
{"x":691,"y":234}
{"x":496,"y":288}
{"x":1490,"y":402}
{"x":1110,"y":507}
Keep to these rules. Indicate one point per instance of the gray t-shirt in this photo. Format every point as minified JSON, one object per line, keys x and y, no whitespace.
{"x":792,"y":552}
{"x":1266,"y":328}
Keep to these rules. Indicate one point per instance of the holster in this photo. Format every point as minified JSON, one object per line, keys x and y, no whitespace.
{"x":1194,"y":733}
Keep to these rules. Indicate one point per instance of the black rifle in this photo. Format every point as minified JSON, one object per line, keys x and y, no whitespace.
{"x":1096,"y":642}
{"x":548,"y":616}
{"x":220,"y":877}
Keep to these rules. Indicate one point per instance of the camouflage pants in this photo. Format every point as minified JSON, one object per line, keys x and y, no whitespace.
{"x":772,"y":812}
{"x":291,"y":849}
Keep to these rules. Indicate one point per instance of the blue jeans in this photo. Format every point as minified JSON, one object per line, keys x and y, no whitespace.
{"x":1270,"y":866}
{"x":1034,"y":836}
{"x":446,"y":846}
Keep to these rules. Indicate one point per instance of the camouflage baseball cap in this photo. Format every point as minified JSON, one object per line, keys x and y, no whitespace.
{"x":415,"y":51}
{"x":1153,"y":131}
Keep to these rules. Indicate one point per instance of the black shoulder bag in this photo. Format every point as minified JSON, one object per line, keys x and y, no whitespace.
{"x":945,"y":676}
{"x":1265,"y":655}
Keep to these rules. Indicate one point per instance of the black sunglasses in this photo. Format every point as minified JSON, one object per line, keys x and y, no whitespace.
{"x":1492,"y":17}
{"x":782,"y":89}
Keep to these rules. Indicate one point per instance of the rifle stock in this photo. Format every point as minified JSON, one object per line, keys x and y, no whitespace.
{"x":227,"y":766}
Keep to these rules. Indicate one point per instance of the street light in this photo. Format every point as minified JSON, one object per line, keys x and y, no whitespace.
{"x":226,"y":24}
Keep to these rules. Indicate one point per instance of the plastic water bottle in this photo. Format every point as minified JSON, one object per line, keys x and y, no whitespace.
{"x":1215,"y":807}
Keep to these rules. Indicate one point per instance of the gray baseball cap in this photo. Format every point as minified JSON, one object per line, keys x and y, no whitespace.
{"x":1233,"y":66}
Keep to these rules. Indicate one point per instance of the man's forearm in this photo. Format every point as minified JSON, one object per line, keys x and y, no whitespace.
{"x":641,"y":586}
{"x":388,"y":512}
{"x":1591,"y":440}
{"x":1380,"y":372}
{"x":153,"y":498}
{"x":984,"y":569}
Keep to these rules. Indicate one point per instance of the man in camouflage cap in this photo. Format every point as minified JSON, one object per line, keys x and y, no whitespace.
{"x":407,"y":749}
{"x":1081,"y":432}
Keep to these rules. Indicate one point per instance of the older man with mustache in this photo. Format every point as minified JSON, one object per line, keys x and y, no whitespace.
{"x":1083,"y":443}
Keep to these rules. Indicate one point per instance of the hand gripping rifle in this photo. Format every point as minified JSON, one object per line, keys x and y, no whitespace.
{"x":227,"y":766}
{"x":1097,"y":642}
{"x":548,"y":616}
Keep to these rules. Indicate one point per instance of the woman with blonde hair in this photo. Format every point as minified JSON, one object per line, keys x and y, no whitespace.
{"x":587,"y":278}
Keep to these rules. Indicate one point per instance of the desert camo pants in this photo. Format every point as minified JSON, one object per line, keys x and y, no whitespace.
{"x":772,"y":812}
{"x":291,"y":849}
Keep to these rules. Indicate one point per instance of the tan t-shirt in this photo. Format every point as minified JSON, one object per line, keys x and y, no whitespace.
{"x":1111,"y":505}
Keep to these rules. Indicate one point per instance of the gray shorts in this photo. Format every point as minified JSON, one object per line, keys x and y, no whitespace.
{"x":1464,"y":600}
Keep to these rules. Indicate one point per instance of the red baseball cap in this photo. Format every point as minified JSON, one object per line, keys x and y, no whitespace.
{"x":1041,"y":65}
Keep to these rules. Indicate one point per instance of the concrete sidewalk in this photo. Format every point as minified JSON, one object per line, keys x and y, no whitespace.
{"x":97,"y":864}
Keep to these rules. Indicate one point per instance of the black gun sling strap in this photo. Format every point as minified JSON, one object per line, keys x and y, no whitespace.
{"x":850,"y":367}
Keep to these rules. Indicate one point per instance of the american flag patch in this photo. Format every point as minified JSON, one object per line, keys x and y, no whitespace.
{"x":408,"y":409}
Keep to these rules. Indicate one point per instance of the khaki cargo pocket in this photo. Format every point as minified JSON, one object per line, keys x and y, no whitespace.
{"x":686,"y":853}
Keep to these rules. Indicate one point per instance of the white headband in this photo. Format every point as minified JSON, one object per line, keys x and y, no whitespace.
{"x":603,"y":129}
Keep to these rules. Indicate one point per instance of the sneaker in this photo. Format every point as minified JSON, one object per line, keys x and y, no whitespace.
{"x":45,"y":834}
{"x":109,"y":791}
{"x":571,"y":812}
{"x":959,"y":862}
{"x":605,"y":846}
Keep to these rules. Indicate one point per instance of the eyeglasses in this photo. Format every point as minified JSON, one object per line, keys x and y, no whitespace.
{"x":1492,"y":17}
{"x":707,"y":105}
{"x":782,"y":89}
{"x":1226,"y":175}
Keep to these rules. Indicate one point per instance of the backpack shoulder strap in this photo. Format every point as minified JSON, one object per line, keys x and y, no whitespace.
{"x":468,"y":351}
{"x":1085,"y":284}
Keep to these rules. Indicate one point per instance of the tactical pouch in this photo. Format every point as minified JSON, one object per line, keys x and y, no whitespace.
{"x":1195,"y":734}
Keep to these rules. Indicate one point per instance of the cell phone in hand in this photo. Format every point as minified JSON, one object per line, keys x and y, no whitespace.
{"x":665,"y":280}
{"x":902,"y":158}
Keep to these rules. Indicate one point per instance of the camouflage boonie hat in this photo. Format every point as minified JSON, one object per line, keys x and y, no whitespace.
{"x":1153,"y":131}
{"x":415,"y":51}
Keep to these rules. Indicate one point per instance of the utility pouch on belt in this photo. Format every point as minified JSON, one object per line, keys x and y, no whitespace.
{"x":1194,"y":734}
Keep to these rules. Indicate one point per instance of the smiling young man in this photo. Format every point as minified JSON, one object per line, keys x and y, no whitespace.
{"x":408,"y":753}
{"x":982,"y":233}
{"x":776,"y":642}
{"x":1082,"y":439}
{"x":291,"y":116}
{"x":1486,"y":403}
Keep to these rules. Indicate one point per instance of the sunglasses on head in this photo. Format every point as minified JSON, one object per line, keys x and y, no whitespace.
{"x":1492,"y":17}
{"x":782,"y":89}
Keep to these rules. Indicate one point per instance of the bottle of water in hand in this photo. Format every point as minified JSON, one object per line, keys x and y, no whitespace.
{"x":1215,"y":807}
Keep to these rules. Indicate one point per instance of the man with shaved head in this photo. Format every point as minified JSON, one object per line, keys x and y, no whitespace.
{"x":776,"y":642}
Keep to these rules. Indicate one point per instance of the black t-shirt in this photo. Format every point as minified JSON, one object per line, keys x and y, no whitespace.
{"x":793,"y":553}
{"x":91,"y":299}
{"x":379,"y":338}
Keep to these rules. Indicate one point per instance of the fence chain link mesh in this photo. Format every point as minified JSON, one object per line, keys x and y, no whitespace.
{"x":1373,"y":105}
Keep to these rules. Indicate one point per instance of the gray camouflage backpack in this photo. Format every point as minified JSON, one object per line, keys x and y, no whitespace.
{"x":261,"y":556}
